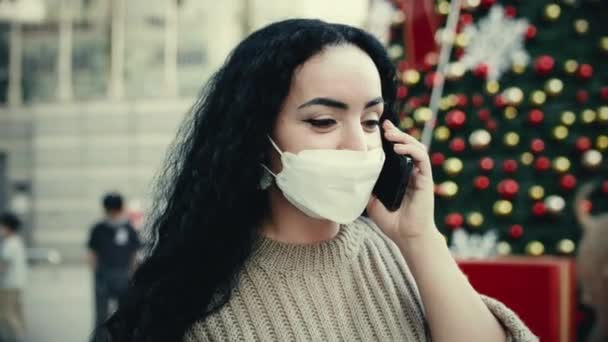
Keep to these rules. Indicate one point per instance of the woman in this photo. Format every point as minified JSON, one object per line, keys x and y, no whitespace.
{"x":242,"y":255}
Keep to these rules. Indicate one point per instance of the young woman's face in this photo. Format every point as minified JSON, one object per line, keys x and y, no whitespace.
{"x":335,"y":102}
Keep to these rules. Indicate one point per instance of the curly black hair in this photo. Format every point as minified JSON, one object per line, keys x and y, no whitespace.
{"x":209,"y":205}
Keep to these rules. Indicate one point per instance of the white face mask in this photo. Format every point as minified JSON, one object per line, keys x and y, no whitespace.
{"x":329,"y":184}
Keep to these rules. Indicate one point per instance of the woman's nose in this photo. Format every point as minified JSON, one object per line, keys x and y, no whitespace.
{"x":353,"y":138}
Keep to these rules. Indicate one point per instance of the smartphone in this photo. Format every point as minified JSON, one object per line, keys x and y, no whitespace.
{"x":394,"y":177}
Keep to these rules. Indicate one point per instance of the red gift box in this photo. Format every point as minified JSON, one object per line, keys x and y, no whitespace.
{"x":540,"y":290}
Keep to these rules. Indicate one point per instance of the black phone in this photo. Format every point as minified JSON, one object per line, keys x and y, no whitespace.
{"x":394,"y":177}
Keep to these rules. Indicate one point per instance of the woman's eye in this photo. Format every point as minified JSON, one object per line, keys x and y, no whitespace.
{"x":371,"y":124}
{"x":321,"y":123}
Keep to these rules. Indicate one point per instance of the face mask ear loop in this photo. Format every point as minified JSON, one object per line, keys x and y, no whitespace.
{"x":275,"y":146}
{"x":278,"y":150}
{"x":267,"y":169}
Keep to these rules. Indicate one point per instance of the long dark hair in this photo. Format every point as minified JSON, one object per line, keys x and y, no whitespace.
{"x":209,"y":205}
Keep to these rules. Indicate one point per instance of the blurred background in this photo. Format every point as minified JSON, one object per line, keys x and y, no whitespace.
{"x":512,"y":97}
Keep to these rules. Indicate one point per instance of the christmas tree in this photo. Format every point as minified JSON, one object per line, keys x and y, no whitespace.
{"x":523,"y":119}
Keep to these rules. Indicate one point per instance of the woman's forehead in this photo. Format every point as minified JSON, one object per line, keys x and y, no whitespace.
{"x":340,"y":71}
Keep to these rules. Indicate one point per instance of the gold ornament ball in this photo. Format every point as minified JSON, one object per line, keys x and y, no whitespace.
{"x":604,"y":44}
{"x":395,"y":51}
{"x":510,"y":113}
{"x":518,"y":68}
{"x":601,"y":142}
{"x":502,"y":208}
{"x":588,"y":116}
{"x":448,"y":189}
{"x":538,"y":97}
{"x":513,"y":95}
{"x":602,"y":114}
{"x":462,"y":40}
{"x":452,"y":166}
{"x":480,"y":139}
{"x":511,"y":139}
{"x":566,"y":246}
{"x":492,"y":87}
{"x":406,"y":123}
{"x":561,"y":164}
{"x":560,"y":132}
{"x":475,"y":219}
{"x":535,"y":248}
{"x":581,"y":26}
{"x":568,"y":118}
{"x":555,"y":204}
{"x":552,"y":12}
{"x":503,"y":248}
{"x":422,"y":114}
{"x":536,"y":192}
{"x":527,"y":158}
{"x":410,"y":77}
{"x":442,"y":133}
{"x":554,"y":86}
{"x":592,"y":159}
{"x":443,"y":7}
{"x":398,"y":18}
{"x":471,"y":4}
{"x":455,"y":71}
{"x":570,"y":66}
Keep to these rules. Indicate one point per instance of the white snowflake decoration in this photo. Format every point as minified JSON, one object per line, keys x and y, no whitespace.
{"x":497,"y":41}
{"x":465,"y":245}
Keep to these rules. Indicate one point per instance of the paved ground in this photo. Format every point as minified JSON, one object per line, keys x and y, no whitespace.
{"x":58,"y":304}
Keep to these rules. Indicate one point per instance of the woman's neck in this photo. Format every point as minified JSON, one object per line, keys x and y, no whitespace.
{"x":288,"y":224}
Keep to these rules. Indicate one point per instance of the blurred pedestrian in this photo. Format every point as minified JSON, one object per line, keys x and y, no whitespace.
{"x":112,"y":244}
{"x":13,"y":277}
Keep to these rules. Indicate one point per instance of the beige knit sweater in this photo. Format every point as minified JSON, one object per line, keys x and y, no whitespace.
{"x":356,"y":287}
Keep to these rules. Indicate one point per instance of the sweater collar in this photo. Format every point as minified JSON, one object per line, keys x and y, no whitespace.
{"x":303,"y":258}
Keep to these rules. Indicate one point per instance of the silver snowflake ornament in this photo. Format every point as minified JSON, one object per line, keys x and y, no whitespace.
{"x":496,"y":41}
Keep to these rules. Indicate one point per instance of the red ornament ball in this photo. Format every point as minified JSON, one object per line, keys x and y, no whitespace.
{"x":454,"y":220}
{"x":510,"y":11}
{"x":414,"y":102}
{"x":483,"y":114}
{"x":500,"y":101}
{"x":537,"y":146}
{"x":543,"y":65}
{"x":531,"y":32}
{"x":465,"y":19}
{"x":516,"y":231}
{"x":481,"y":182}
{"x":536,"y":116}
{"x":491,"y":125}
{"x":585,"y":71}
{"x":583,"y":144}
{"x":481,"y":70}
{"x":508,"y":189}
{"x":432,"y":79}
{"x":478,"y":100}
{"x":457,"y":145}
{"x":509,"y":166}
{"x":567,"y":182}
{"x":538,"y":209}
{"x":402,"y":65}
{"x":542,"y":163}
{"x":486,"y":164}
{"x":604,"y":93}
{"x":455,"y":118}
{"x":582,"y":96}
{"x":401,"y":92}
{"x":605,"y":187}
{"x":487,"y":3}
{"x":462,"y":100}
{"x":437,"y":159}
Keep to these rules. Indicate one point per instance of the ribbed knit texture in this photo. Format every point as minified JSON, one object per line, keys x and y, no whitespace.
{"x":355,"y":287}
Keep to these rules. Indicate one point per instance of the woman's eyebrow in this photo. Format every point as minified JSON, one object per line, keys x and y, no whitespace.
{"x":324,"y":101}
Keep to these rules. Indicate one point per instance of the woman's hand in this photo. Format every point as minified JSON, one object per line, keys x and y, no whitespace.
{"x":415,"y":217}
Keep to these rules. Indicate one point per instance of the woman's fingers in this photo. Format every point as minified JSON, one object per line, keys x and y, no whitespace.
{"x":419,"y":155}
{"x":393,"y":134}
